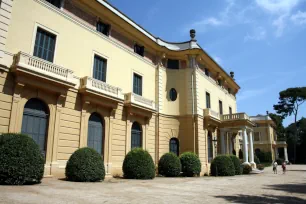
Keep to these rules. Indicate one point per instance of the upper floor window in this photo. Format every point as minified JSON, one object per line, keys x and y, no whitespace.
{"x":207,"y":73}
{"x":99,"y":69}
{"x":137,"y":84}
{"x":103,"y":28}
{"x":220,"y":83}
{"x":207,"y":100}
{"x":173,"y":64}
{"x":56,"y":3}
{"x":44,"y":45}
{"x":230,"y":110}
{"x":139,"y":49}
{"x":256,"y":136}
{"x":229,"y":90}
{"x":220,"y":108}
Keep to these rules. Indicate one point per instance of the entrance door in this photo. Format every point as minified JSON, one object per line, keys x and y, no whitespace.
{"x":35,"y":122}
{"x":95,"y":133}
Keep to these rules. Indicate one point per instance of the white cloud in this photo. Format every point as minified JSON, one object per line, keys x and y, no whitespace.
{"x":251,"y":93}
{"x":299,"y":18}
{"x":208,"y":21}
{"x":259,"y":33}
{"x":280,"y":24}
{"x":278,"y":6}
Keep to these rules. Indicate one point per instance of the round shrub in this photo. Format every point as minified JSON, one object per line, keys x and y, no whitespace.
{"x":85,"y":165}
{"x":236,"y":163}
{"x":246,"y":169}
{"x":260,"y":167}
{"x":169,"y":165}
{"x":222,"y":165}
{"x":191,"y":164}
{"x":256,"y":160}
{"x":138,"y":164}
{"x":21,"y":161}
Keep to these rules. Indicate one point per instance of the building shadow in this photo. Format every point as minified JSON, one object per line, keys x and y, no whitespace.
{"x":262,"y":199}
{"x":297,"y":170}
{"x":290,"y":188}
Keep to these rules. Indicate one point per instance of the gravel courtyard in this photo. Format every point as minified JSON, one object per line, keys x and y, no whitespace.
{"x":262,"y":188}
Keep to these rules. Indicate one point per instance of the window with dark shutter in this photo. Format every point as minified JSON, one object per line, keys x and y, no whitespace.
{"x":103,"y":28}
{"x":230,"y":110}
{"x":173,"y":64}
{"x":99,"y":69}
{"x":174,"y":146}
{"x":207,"y":73}
{"x":210,"y":146}
{"x":137,"y":84}
{"x":44,"y":45}
{"x":136,"y":136}
{"x":56,"y":3}
{"x":220,"y":108}
{"x":139,"y":49}
{"x":207,"y":100}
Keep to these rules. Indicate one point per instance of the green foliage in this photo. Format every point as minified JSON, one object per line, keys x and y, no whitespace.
{"x":279,"y":128}
{"x":260,"y":167}
{"x":169,"y":165}
{"x":256,"y":160}
{"x":246,"y":169}
{"x":191,"y":164}
{"x":138,"y":164}
{"x":21,"y":161}
{"x":236,"y":163}
{"x":85,"y":165}
{"x":222,"y":165}
{"x":264,"y":157}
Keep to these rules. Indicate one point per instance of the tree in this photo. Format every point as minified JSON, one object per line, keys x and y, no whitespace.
{"x":289,"y":103}
{"x":279,"y":128}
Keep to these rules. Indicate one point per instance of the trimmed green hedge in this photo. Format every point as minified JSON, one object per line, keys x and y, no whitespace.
{"x":169,"y":165}
{"x":280,"y":161}
{"x":256,"y":160}
{"x":191,"y":164}
{"x":246,"y":169}
{"x":21,"y":161}
{"x":236,"y":163}
{"x":264,"y":157}
{"x":138,"y":164}
{"x":222,"y":165}
{"x":85,"y":165}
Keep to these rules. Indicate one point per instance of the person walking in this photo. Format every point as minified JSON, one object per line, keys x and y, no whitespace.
{"x":284,"y":167}
{"x":275,"y":167}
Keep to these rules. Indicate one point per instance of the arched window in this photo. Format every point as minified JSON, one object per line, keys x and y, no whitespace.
{"x":174,"y":146}
{"x":35,"y":122}
{"x":136,"y":136}
{"x":210,"y":146}
{"x":95,"y":137}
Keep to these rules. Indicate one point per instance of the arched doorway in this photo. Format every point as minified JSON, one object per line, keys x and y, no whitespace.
{"x":95,"y":137}
{"x":210,"y":146}
{"x":174,"y":146}
{"x":136,"y":136}
{"x":35,"y":122}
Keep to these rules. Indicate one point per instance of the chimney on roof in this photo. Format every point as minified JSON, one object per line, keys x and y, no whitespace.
{"x":193,"y":34}
{"x":232,"y":74}
{"x":267,"y":112}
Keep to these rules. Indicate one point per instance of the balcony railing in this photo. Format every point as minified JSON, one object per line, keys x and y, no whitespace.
{"x":131,"y":98}
{"x":235,"y":116}
{"x":255,"y":118}
{"x":33,"y":64}
{"x":101,"y":87}
{"x":211,"y":113}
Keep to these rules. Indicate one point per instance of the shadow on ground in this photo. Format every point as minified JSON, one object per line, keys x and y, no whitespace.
{"x":291,"y":188}
{"x":262,"y":199}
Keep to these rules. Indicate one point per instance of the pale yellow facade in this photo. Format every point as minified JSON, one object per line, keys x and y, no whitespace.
{"x":72,"y":95}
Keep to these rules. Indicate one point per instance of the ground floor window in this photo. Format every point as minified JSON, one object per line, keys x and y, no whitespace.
{"x":210,"y":146}
{"x":95,"y":133}
{"x":136,"y":135}
{"x":174,"y":146}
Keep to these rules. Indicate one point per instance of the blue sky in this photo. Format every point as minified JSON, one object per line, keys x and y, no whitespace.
{"x":262,"y":41}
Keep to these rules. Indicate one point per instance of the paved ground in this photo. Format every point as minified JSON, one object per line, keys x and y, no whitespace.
{"x":263,"y":188}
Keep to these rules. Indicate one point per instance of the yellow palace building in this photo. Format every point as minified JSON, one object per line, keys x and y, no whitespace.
{"x":76,"y":73}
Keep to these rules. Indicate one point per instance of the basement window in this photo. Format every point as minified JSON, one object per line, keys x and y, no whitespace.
{"x":139,"y":49}
{"x":56,"y":3}
{"x":103,"y":28}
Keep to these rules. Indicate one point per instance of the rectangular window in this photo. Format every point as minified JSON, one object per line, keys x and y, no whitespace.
{"x":137,"y":84}
{"x":207,"y":100}
{"x":44,"y":45}
{"x":139,"y":49}
{"x":103,"y":28}
{"x":99,"y":69}
{"x":207,"y":73}
{"x":220,"y":83}
{"x":173,"y":64}
{"x":220,"y":108}
{"x":229,"y":90}
{"x":256,"y":136}
{"x":56,"y":3}
{"x":230,"y":110}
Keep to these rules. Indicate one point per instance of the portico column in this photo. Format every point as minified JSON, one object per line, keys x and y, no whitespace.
{"x":222,"y":137}
{"x":286,"y":154}
{"x":230,"y":144}
{"x":251,"y":149}
{"x":245,"y":146}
